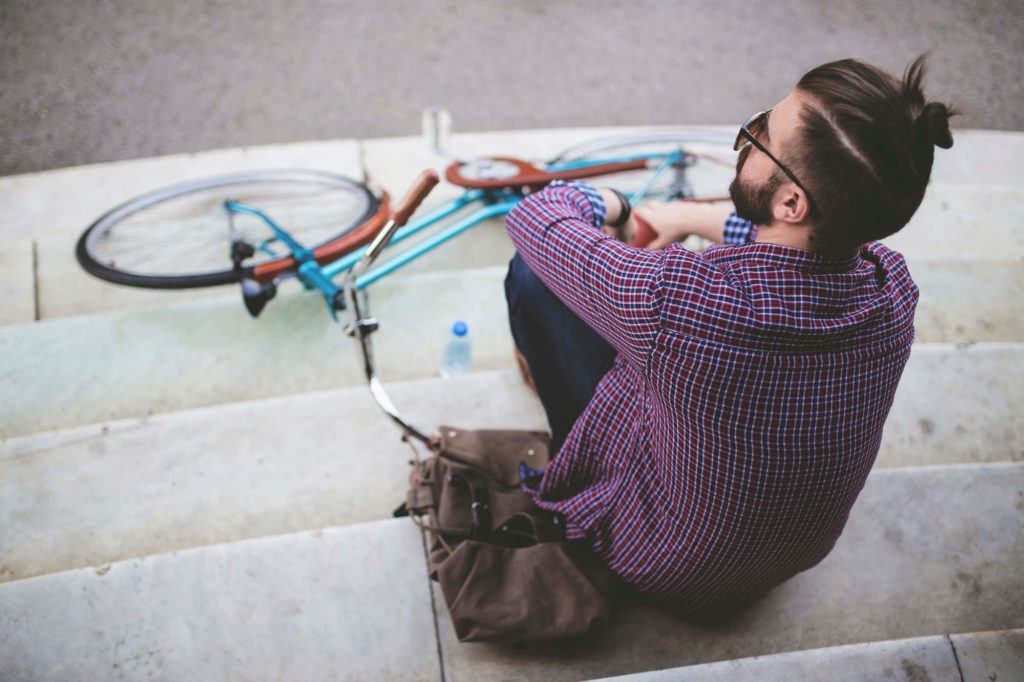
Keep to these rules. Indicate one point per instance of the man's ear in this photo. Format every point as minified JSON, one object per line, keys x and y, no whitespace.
{"x":791,"y":205}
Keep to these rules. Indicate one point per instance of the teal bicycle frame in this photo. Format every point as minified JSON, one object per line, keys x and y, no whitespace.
{"x":491,"y":203}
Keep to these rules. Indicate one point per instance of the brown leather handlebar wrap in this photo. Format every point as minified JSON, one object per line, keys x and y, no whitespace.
{"x":426,"y":181}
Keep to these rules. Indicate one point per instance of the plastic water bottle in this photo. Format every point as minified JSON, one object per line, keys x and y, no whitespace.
{"x":456,"y":359}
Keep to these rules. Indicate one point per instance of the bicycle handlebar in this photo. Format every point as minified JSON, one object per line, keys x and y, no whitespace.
{"x":421,"y":187}
{"x":410,"y":202}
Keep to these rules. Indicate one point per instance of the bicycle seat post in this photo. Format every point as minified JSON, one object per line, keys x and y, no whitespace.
{"x":436,"y":125}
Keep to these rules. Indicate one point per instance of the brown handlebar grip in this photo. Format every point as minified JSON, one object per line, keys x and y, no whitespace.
{"x":414,"y":197}
{"x":645,"y":234}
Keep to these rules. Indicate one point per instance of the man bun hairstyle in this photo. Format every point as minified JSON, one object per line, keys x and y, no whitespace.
{"x":933,"y":124}
{"x":866,"y":149}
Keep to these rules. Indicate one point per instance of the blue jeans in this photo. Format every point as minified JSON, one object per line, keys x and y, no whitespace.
{"x":565,"y":356}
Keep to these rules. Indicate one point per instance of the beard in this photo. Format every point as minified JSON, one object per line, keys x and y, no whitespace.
{"x":753,"y":203}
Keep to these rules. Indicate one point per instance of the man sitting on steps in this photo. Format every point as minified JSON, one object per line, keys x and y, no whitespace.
{"x":715,"y":414}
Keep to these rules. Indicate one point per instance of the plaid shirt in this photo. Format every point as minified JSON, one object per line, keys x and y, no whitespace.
{"x":723,"y":451}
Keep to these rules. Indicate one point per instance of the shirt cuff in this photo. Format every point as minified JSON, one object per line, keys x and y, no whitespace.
{"x":595,"y":202}
{"x":736,"y":230}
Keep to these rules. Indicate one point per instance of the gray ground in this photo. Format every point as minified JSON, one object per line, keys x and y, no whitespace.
{"x":86,"y":81}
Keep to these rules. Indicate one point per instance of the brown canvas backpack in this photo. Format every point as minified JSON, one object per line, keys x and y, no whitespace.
{"x":503,"y":564}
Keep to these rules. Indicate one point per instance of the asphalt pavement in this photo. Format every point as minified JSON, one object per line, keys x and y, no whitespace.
{"x":90,"y":81}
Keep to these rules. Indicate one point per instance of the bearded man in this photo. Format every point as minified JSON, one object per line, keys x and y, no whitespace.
{"x":716,"y":414}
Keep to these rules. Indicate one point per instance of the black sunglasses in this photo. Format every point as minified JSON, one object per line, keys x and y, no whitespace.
{"x":748,"y":133}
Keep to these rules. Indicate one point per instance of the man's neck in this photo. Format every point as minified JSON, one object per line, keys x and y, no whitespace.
{"x":797,"y":237}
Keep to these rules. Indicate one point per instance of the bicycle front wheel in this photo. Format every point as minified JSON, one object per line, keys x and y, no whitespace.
{"x":681,"y":164}
{"x":180,"y":236}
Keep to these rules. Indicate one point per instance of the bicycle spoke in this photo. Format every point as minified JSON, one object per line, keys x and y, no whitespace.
{"x":193,"y":232}
{"x":706,"y":169}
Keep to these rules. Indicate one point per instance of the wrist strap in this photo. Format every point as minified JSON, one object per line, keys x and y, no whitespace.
{"x":626,"y":209}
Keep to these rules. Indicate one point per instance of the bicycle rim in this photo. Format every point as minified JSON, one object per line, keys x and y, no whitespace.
{"x":180,"y":236}
{"x":706,"y":163}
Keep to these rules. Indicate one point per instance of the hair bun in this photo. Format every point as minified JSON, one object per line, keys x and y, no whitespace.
{"x":933,"y":124}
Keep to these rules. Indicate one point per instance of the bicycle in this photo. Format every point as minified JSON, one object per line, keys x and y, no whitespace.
{"x":229,"y":229}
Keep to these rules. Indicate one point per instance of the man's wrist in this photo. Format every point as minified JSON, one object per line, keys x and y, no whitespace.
{"x":612,"y":205}
{"x":624,"y":210}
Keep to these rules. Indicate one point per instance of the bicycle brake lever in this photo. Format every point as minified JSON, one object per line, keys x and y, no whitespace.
{"x":406,"y":207}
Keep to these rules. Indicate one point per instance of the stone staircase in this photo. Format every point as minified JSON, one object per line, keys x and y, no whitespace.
{"x":191,"y":494}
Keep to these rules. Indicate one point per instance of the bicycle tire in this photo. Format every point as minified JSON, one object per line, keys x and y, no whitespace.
{"x":341,"y":205}
{"x":710,"y":161}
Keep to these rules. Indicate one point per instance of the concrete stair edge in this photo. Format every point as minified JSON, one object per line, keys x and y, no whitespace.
{"x":385,"y":522}
{"x":934,"y":657}
{"x":211,"y":343}
{"x":923,"y":554}
{"x":410,"y":277}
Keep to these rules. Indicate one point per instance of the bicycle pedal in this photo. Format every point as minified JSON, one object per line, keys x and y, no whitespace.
{"x":362,"y":328}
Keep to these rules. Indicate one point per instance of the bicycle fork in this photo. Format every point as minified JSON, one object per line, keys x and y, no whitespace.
{"x":256,"y":295}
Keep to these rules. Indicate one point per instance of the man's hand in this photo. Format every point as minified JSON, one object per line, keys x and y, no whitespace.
{"x":676,"y":220}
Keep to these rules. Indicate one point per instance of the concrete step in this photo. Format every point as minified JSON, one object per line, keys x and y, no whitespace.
{"x":90,"y":368}
{"x":333,"y":604}
{"x":966,"y":300}
{"x":953,"y":658}
{"x":955,"y":222}
{"x":963,"y":300}
{"x":49,"y":210}
{"x":17,"y":282}
{"x":185,"y":354}
{"x":926,"y":551}
{"x":65,"y":289}
{"x":957,"y":404}
{"x":52,"y":228}
{"x":230,"y":472}
{"x":67,"y":200}
{"x":969,"y":210}
{"x":958,"y":221}
{"x":983,"y":158}
{"x":990,"y":656}
{"x":979,"y":158}
{"x":975,"y":198}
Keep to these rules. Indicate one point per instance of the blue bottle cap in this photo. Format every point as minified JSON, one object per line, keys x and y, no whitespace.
{"x":460,"y":328}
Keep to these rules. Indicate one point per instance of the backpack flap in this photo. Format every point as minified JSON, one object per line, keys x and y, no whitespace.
{"x":496,"y":452}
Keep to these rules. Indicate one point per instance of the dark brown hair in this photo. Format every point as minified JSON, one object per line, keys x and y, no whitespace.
{"x":866,"y":149}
